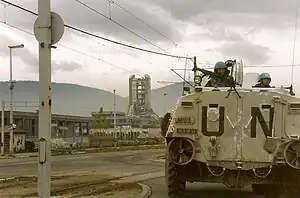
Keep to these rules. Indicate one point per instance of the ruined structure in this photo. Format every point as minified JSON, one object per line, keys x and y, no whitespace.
{"x":140,"y":98}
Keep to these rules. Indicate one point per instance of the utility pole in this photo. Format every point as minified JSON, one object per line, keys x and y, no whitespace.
{"x":44,"y":32}
{"x":2,"y":128}
{"x":11,"y":87}
{"x":115,"y":117}
{"x":48,"y":30}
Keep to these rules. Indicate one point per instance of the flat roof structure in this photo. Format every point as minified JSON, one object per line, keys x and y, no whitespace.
{"x":22,"y":114}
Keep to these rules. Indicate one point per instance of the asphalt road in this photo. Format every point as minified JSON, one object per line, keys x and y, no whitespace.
{"x":151,"y":173}
{"x":205,"y":190}
{"x":111,"y":162}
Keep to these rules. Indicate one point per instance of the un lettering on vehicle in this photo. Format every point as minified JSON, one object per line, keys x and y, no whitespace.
{"x":221,"y":128}
{"x":256,"y":118}
{"x":257,"y":115}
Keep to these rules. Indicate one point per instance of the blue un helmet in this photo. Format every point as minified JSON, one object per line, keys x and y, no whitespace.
{"x":220,"y":65}
{"x":264,"y":76}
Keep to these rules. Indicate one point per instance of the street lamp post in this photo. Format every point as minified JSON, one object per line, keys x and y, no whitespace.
{"x":11,"y":87}
{"x":2,"y":128}
{"x":115,"y":117}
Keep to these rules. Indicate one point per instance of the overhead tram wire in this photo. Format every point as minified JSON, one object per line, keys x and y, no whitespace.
{"x":127,"y":11}
{"x":106,"y":39}
{"x":179,"y":58}
{"x":294,"y":42}
{"x":121,"y":7}
{"x":122,"y":26}
{"x":109,"y":18}
{"x":100,"y":37}
{"x":74,"y":50}
{"x":273,"y":66}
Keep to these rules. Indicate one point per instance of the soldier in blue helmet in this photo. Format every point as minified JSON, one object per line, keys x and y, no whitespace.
{"x":264,"y":81}
{"x":221,"y":69}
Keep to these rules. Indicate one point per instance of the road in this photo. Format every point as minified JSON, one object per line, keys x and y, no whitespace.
{"x":110,"y":162}
{"x":152,"y":173}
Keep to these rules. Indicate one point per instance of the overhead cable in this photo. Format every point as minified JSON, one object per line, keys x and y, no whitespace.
{"x":100,"y":37}
{"x":122,"y":26}
{"x":74,"y":50}
{"x":294,"y":41}
{"x":248,"y":66}
{"x":138,"y":18}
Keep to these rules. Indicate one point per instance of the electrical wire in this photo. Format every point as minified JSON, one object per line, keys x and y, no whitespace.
{"x":294,"y":42}
{"x":122,"y":26}
{"x":74,"y":50}
{"x":100,"y":37}
{"x":121,"y":7}
{"x":250,"y":66}
{"x":294,"y":65}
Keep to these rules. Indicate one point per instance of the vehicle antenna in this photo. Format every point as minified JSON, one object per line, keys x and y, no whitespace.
{"x":294,"y":43}
{"x":184,"y":75}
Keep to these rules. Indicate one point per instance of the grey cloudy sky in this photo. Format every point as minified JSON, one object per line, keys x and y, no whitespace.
{"x":31,"y":59}
{"x":185,"y":11}
{"x":209,"y":29}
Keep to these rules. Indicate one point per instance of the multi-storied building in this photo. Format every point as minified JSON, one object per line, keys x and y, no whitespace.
{"x":140,"y":97}
{"x":140,"y":91}
{"x":140,"y":115}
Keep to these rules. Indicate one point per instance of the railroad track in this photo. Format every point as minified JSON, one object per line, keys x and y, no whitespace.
{"x":72,"y":187}
{"x":17,"y":181}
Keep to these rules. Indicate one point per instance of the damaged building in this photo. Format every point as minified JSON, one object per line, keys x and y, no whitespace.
{"x":140,"y":98}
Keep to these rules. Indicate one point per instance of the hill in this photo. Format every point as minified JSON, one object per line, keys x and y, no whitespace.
{"x":75,"y":99}
{"x":173,"y":92}
{"x":67,"y":98}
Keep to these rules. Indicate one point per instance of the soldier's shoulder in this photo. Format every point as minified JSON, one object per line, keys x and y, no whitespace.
{"x":257,"y":85}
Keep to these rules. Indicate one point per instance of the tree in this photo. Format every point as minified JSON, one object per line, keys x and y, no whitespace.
{"x":100,"y":121}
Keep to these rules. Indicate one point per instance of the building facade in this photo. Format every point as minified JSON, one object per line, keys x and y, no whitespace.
{"x":63,"y":126}
{"x":139,"y":93}
{"x":123,"y":120}
{"x":139,"y":107}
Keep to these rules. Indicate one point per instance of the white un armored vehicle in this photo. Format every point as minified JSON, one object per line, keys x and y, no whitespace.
{"x":237,"y":136}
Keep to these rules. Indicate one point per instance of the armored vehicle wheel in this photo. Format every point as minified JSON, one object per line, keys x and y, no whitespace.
{"x":292,"y":154}
{"x":271,"y":195}
{"x":258,"y":189}
{"x":176,"y":186}
{"x":181,"y":151}
{"x":165,"y":124}
{"x":269,"y":191}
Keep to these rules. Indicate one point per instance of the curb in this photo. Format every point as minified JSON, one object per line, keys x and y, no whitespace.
{"x":146,"y":191}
